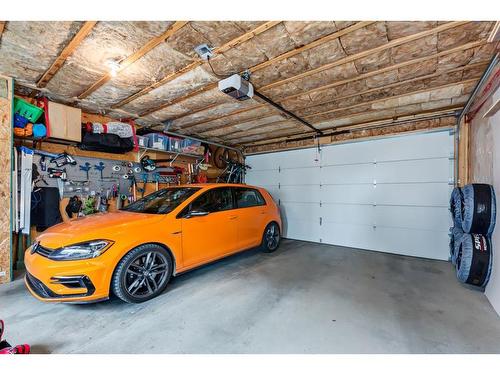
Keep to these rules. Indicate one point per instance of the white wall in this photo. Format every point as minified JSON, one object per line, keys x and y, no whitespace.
{"x":485,"y":168}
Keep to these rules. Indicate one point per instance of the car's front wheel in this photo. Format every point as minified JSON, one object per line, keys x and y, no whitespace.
{"x":142,"y":274}
{"x":271,"y":238}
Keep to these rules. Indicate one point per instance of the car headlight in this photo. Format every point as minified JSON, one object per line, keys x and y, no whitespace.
{"x":84,"y":250}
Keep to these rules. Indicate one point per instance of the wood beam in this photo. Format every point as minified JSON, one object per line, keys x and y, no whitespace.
{"x":170,"y":77}
{"x":394,"y":97}
{"x":367,"y":92}
{"x":448,"y":112}
{"x":230,"y":125}
{"x":393,"y":85}
{"x":388,"y":69}
{"x":125,"y":63}
{"x":229,"y":136}
{"x":391,"y":129}
{"x":65,"y":53}
{"x":2,"y":28}
{"x":369,"y":74}
{"x":262,"y":65}
{"x":359,"y":55}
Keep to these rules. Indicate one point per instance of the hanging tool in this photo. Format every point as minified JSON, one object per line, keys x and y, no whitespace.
{"x":157,"y":180}
{"x":58,"y":159}
{"x":57,"y":173}
{"x":43,"y":163}
{"x":86,"y":168}
{"x":100,"y":167}
{"x":149,"y":165}
{"x":144,"y":181}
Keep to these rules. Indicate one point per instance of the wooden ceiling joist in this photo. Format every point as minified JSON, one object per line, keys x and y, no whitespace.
{"x":290,"y":136}
{"x":396,"y":84}
{"x":336,"y":99}
{"x":262,"y":65}
{"x":464,"y":47}
{"x":65,"y":53}
{"x":359,"y":55}
{"x":170,"y":77}
{"x":356,"y":78}
{"x":151,"y":44}
{"x":2,"y":28}
{"x":393,"y":97}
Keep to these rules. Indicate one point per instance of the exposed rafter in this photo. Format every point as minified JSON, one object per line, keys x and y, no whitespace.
{"x":430,"y":89}
{"x":135,"y":56}
{"x":359,"y":55}
{"x":2,"y":27}
{"x":387,"y":121}
{"x":262,"y":65}
{"x":361,"y":76}
{"x":65,"y":53}
{"x":242,"y":38}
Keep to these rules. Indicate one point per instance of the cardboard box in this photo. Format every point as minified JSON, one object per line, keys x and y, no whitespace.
{"x":65,"y":122}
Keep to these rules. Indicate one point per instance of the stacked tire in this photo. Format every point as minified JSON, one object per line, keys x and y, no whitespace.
{"x":473,"y":210}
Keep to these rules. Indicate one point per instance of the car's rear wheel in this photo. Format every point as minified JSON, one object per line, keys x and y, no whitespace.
{"x":142,"y":274}
{"x":271,"y":238}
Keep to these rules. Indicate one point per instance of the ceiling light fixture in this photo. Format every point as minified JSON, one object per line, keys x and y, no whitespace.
{"x":113,"y":67}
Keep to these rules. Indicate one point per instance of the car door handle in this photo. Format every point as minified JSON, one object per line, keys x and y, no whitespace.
{"x":233,"y":217}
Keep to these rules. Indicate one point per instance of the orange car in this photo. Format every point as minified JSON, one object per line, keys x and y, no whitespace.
{"x":135,"y":251}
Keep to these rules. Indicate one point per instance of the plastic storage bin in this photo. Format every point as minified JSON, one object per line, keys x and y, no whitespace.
{"x":142,"y":141}
{"x":157,"y":141}
{"x":190,"y":146}
{"x":27,"y":110}
{"x":175,"y":144}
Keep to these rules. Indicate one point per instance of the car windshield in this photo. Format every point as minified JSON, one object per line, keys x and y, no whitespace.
{"x":161,"y":202}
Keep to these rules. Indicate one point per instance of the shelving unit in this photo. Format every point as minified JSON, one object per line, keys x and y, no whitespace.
{"x":144,"y":150}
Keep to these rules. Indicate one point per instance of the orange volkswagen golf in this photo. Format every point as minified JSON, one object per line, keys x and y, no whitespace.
{"x":134,"y":252}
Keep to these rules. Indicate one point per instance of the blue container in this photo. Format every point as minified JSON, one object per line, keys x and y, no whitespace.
{"x":175,"y":144}
{"x":158,"y":141}
{"x":20,"y":121}
{"x":39,"y":131}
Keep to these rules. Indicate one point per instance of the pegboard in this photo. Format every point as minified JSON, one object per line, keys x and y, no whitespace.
{"x":77,"y":183}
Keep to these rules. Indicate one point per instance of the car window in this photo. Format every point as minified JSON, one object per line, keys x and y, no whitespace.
{"x":248,"y":198}
{"x":161,"y":202}
{"x":219,"y":199}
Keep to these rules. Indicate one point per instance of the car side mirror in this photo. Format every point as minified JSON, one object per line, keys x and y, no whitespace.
{"x":195,"y":213}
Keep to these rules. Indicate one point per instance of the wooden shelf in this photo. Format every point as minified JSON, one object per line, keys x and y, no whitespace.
{"x":146,"y":149}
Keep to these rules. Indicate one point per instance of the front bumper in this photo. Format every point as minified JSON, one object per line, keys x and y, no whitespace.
{"x":66,"y":281}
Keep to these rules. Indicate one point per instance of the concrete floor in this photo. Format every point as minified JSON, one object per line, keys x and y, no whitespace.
{"x":305,"y":298}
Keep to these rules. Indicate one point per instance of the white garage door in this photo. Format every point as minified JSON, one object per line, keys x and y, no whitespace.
{"x":387,"y":195}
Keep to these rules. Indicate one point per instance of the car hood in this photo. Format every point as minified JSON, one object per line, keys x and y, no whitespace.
{"x":108,"y":226}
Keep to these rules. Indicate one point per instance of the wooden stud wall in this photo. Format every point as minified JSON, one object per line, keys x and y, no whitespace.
{"x":5,"y":177}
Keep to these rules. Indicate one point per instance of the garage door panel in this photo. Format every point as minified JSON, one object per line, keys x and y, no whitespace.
{"x":354,"y":194}
{"x":337,"y":214}
{"x":350,"y":153}
{"x":262,"y":162}
{"x":428,"y":194}
{"x":347,"y":174}
{"x":300,"y":211}
{"x":303,"y":230}
{"x":424,"y":218}
{"x":262,"y":177}
{"x":296,"y":158}
{"x":387,"y":195}
{"x":412,"y":242}
{"x":433,"y":170}
{"x":297,"y":176}
{"x":299,"y":193}
{"x":359,"y":236}
{"x":411,"y":147}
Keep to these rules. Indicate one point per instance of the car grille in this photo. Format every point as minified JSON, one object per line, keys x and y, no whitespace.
{"x":43,"y":251}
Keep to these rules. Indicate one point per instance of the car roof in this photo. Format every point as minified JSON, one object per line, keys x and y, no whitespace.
{"x":214,"y":184}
